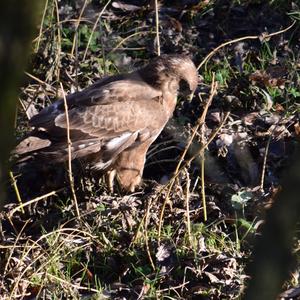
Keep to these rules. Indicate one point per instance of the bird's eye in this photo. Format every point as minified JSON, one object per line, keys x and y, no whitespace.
{"x":184,"y":86}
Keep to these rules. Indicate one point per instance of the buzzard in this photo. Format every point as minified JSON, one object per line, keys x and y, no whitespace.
{"x":113,"y":122}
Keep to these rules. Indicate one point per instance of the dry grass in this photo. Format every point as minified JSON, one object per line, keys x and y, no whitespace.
{"x":188,"y":237}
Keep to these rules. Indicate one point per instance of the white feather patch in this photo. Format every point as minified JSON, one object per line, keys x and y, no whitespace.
{"x":81,"y":146}
{"x":101,"y":165}
{"x":118,"y":141}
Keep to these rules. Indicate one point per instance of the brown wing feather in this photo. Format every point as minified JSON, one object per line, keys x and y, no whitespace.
{"x":117,"y":115}
{"x":124,"y":90}
{"x":113,"y":127}
{"x":114,"y":119}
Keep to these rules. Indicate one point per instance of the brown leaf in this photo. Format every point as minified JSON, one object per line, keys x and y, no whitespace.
{"x":279,"y":107}
{"x":272,"y":77}
{"x":297,"y":129}
{"x":250,"y":118}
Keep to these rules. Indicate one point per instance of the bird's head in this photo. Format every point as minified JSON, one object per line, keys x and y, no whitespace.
{"x":178,"y":67}
{"x":185,"y":70}
{"x":176,"y":70}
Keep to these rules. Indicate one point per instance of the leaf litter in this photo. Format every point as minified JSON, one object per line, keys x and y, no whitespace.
{"x":48,"y":252}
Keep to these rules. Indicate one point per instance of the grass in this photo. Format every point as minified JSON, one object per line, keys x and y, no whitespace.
{"x":116,"y":247}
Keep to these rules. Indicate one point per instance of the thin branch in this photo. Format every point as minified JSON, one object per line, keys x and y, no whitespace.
{"x":41,"y":27}
{"x":75,"y":286}
{"x":249,"y":37}
{"x":213,"y":135}
{"x":135,"y":237}
{"x":14,"y":183}
{"x":146,"y":236}
{"x":58,"y":43}
{"x":102,"y":47}
{"x":94,"y":28}
{"x":200,"y":122}
{"x":22,"y":205}
{"x":76,"y":61}
{"x":187,"y":205}
{"x":70,"y":153}
{"x":262,"y":179}
{"x":77,"y":26}
{"x":157,"y":27}
{"x":263,"y":172}
{"x":125,"y":39}
{"x":40,"y":81}
{"x":203,"y":185}
{"x":13,"y":247}
{"x":53,"y":25}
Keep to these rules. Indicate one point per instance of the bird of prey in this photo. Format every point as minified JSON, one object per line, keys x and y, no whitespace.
{"x":113,"y":122}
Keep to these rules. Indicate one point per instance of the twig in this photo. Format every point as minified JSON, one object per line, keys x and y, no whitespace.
{"x":137,"y":231}
{"x":76,"y":61}
{"x":213,"y":135}
{"x":125,"y":39}
{"x":79,"y":287}
{"x":76,"y":27}
{"x":203,"y":185}
{"x":153,"y":151}
{"x":22,"y":205}
{"x":94,"y":28}
{"x":263,"y":172}
{"x":14,"y":247}
{"x":14,"y":182}
{"x":157,"y":28}
{"x":174,"y":287}
{"x":25,"y":109}
{"x":187,"y":205}
{"x":59,"y":23}
{"x":200,"y":122}
{"x":249,"y":37}
{"x":40,"y":81}
{"x":141,"y":223}
{"x":41,"y":27}
{"x":70,"y":153}
{"x":102,"y":47}
{"x":202,"y":158}
{"x":146,"y":236}
{"x":161,"y":161}
{"x":128,"y":48}
{"x":58,"y":44}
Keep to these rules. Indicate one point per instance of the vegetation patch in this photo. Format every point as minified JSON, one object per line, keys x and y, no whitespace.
{"x":210,"y":177}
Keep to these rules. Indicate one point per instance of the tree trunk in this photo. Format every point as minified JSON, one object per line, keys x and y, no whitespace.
{"x":272,"y":255}
{"x":17,"y":25}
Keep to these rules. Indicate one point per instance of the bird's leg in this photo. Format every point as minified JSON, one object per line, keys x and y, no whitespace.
{"x":130,"y":165}
{"x":110,"y":177}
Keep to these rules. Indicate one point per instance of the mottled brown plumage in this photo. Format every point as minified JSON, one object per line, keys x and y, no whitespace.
{"x":113,"y":122}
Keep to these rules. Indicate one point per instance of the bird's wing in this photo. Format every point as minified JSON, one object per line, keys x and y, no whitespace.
{"x":106,"y":119}
{"x":101,"y":93}
{"x":113,"y":127}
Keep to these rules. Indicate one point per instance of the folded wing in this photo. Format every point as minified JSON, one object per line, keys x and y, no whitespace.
{"x":103,"y":120}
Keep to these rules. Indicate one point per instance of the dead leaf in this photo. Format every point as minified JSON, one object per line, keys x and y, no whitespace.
{"x":297,"y":129}
{"x":269,"y":78}
{"x":249,"y":119}
{"x":212,"y":277}
{"x":125,"y":7}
